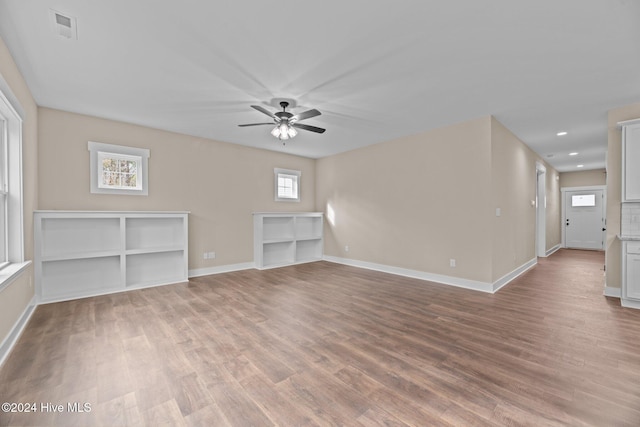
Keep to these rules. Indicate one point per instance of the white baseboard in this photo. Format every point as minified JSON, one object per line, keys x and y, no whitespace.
{"x":504,"y":280}
{"x":629,"y":303}
{"x":552,"y":250}
{"x":438,"y":278}
{"x":415,"y":274}
{"x":16,"y":331}
{"x":197,"y":272}
{"x":611,"y":292}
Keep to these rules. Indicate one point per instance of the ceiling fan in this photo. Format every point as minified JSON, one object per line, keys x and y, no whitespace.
{"x":286,"y":123}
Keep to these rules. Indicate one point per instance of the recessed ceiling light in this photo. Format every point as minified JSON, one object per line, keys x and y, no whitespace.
{"x":561,"y":133}
{"x":573,"y":154}
{"x":580,"y":166}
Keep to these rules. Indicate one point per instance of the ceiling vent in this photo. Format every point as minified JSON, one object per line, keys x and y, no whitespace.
{"x":64,"y":25}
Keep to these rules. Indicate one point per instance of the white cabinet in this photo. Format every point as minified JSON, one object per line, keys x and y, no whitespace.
{"x":286,"y":238}
{"x":631,"y":273}
{"x":630,"y":160}
{"x":81,"y":253}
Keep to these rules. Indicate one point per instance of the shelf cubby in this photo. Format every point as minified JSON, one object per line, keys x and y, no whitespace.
{"x":308,"y":250}
{"x":280,"y":253}
{"x":75,"y":278}
{"x":63,"y":237}
{"x":154,"y":268}
{"x":308,"y":227}
{"x":158,"y":232}
{"x":278,"y":228}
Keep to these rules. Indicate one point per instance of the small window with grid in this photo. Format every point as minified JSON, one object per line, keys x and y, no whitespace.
{"x":117,"y":169}
{"x":287,"y":185}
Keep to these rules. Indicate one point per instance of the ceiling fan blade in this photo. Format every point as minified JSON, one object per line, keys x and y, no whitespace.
{"x":308,"y":127}
{"x":306,"y":115}
{"x":264,"y":111}
{"x":257,"y":124}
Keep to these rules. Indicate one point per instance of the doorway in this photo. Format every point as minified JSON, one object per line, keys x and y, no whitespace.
{"x":583,"y":218}
{"x":541,"y":210}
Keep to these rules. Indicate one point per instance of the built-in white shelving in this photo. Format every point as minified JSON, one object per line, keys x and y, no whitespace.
{"x":86,"y":253}
{"x":286,"y":238}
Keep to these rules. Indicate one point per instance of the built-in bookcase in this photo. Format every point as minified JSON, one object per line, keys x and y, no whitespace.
{"x":81,"y":253}
{"x":287,"y":238}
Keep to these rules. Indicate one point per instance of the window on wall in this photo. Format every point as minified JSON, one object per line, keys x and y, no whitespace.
{"x":583,"y":200}
{"x":116,"y":169}
{"x":287,"y":185}
{"x":4,"y":194}
{"x":11,"y":210}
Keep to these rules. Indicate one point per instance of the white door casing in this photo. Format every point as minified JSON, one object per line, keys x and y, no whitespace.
{"x":541,"y":208}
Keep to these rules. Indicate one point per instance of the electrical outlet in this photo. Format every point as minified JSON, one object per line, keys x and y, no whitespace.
{"x":212,"y":255}
{"x":452,"y":262}
{"x":205,"y":255}
{"x":346,"y":248}
{"x":208,"y":255}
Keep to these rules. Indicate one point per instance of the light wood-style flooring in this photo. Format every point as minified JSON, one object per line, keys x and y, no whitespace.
{"x":326,"y":344}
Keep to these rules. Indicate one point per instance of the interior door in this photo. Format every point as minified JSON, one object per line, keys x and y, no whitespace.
{"x":584,"y":219}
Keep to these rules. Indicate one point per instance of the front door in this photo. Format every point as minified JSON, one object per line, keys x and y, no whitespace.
{"x":584,"y":219}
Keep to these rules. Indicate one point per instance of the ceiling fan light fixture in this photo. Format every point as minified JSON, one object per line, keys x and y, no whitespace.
{"x":283,"y":131}
{"x":285,"y":122}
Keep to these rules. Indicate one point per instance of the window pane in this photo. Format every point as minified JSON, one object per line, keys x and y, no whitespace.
{"x":583,"y":200}
{"x":3,"y":228}
{"x":132,"y":166}
{"x":119,"y":171}
{"x":128,"y":180}
{"x":109,"y":165}
{"x":111,"y":178}
{"x":286,"y":187}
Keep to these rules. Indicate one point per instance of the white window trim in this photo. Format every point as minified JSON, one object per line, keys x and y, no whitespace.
{"x":95,"y":150}
{"x":12,"y":117}
{"x":297,"y":174}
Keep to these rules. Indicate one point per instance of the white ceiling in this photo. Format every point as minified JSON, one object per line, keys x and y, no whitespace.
{"x":376,"y":69}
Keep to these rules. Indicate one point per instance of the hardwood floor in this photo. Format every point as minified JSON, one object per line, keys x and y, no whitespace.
{"x":326,"y":344}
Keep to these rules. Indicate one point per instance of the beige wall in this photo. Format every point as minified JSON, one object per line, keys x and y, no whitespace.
{"x":221,"y":184}
{"x":413,"y":202}
{"x":583,"y":178}
{"x":15,"y":298}
{"x":614,"y":191}
{"x":418,"y":201}
{"x":513,"y":169}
